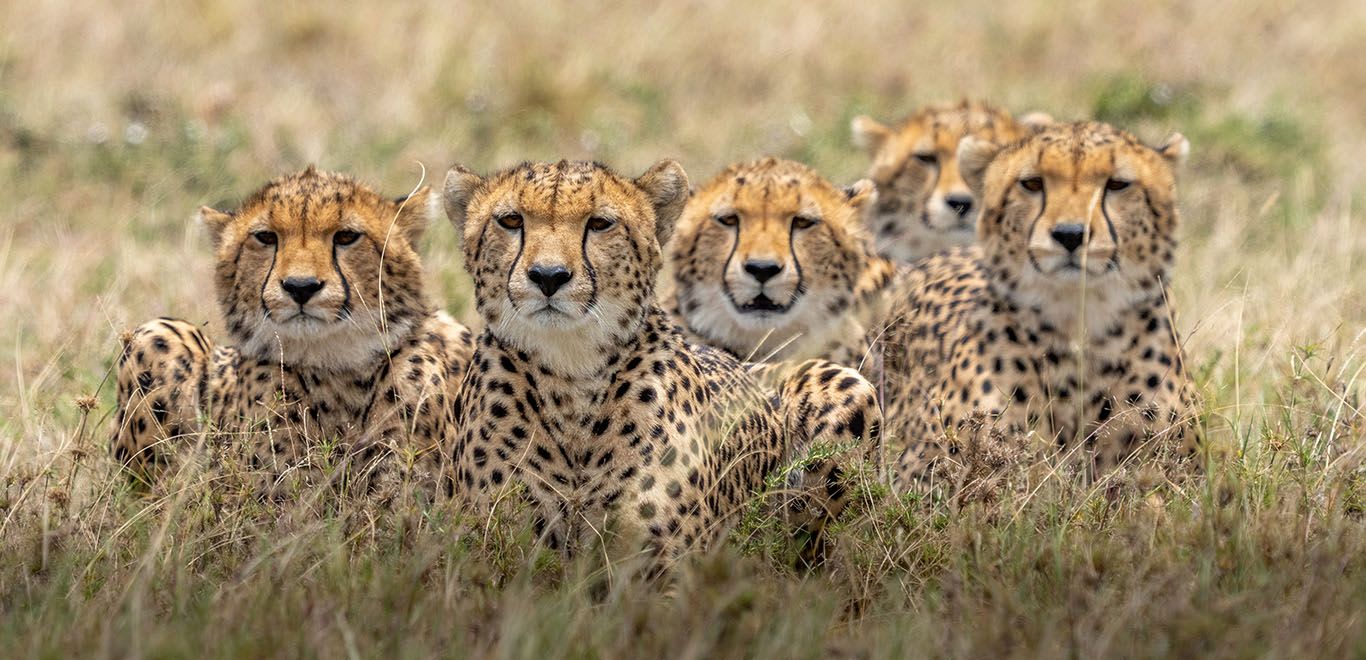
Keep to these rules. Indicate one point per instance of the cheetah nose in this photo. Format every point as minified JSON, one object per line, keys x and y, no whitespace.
{"x":960,"y":204}
{"x":301,"y":289}
{"x":763,"y":271}
{"x":549,"y":278}
{"x":1069,"y":236}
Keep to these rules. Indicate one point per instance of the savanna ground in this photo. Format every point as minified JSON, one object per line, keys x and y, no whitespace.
{"x":117,"y":120}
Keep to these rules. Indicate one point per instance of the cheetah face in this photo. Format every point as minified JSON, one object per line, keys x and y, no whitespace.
{"x":564,"y":255}
{"x":924,"y":205}
{"x":1079,"y":207}
{"x":315,"y":269}
{"x":769,"y":245}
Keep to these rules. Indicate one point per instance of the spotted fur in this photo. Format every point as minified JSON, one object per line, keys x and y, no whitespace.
{"x":1060,"y":322}
{"x":585,"y":400}
{"x":333,"y":340}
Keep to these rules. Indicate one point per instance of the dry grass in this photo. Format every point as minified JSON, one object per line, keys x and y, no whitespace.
{"x":118,"y":120}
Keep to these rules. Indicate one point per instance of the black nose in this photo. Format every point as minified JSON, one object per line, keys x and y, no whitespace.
{"x":549,"y":278}
{"x":960,"y":204}
{"x":1069,"y":235}
{"x":301,"y":289}
{"x":763,"y":271}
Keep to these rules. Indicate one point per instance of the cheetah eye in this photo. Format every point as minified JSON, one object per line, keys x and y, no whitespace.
{"x":728,"y":220}
{"x":927,"y":158}
{"x":804,"y":221}
{"x":510,"y":221}
{"x":598,"y":223}
{"x":1032,"y":184}
{"x":345,"y":237}
{"x":266,"y":237}
{"x":1117,"y":184}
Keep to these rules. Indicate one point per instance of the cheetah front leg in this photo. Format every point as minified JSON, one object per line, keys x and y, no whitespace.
{"x":833,"y":425}
{"x":162,"y":372}
{"x":1146,"y":406}
{"x":406,"y":418}
{"x":963,"y":452}
{"x":1140,"y":425}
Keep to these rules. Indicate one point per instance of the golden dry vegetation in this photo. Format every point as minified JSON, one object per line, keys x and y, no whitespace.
{"x":117,"y":120}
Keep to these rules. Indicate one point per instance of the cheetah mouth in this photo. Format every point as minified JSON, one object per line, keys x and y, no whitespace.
{"x":956,"y":225}
{"x":551,"y":315}
{"x":547,"y":311}
{"x":762,"y":304}
{"x":1068,"y":266}
{"x":310,"y":330}
{"x":301,"y":318}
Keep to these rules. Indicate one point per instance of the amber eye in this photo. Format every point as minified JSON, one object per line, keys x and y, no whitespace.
{"x":804,"y":222}
{"x":599,"y":223}
{"x":345,"y":237}
{"x":1117,"y":184}
{"x":266,"y":237}
{"x":728,"y":220}
{"x":1032,"y":184}
{"x":927,"y":158}
{"x":510,"y":221}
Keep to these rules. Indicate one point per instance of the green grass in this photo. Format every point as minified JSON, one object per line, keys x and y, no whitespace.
{"x":110,"y":142}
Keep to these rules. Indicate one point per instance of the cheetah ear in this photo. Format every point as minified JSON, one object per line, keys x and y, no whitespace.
{"x":415,"y":211}
{"x":974,"y":155}
{"x":666,"y":184}
{"x":1036,"y":121}
{"x":1175,"y":149}
{"x":869,"y":134}
{"x":861,"y":194}
{"x":215,"y":222}
{"x":460,"y":186}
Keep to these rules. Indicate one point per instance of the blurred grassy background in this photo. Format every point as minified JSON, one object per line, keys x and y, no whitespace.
{"x":117,"y":120}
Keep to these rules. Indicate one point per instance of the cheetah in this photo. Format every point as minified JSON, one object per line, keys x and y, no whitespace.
{"x":924,"y":205}
{"x":772,"y":261}
{"x":583,"y":398}
{"x":321,"y":291}
{"x":1059,"y":321}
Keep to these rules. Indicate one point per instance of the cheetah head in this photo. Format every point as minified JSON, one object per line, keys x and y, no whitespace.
{"x":315,"y":269}
{"x":564,"y":255}
{"x":1079,"y":213}
{"x":770,"y":246}
{"x":924,"y":204}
